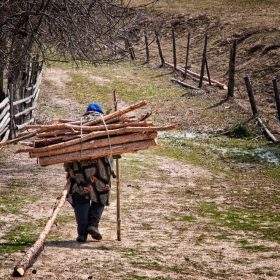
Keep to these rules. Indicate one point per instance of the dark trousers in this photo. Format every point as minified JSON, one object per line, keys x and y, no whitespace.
{"x":86,"y":212}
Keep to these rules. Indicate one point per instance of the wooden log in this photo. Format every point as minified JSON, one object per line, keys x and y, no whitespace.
{"x":201,"y":77}
{"x":61,"y":126}
{"x":63,"y":120}
{"x":268,"y":133}
{"x":23,"y":265}
{"x":231,"y":71}
{"x":184,"y":84}
{"x":251,"y":96}
{"x":159,"y":49}
{"x":187,"y":55}
{"x":98,"y":153}
{"x":47,"y":142}
{"x":276,"y":94}
{"x":174,"y":50}
{"x":105,"y":142}
{"x":196,"y":76}
{"x":109,"y":126}
{"x":55,"y":140}
{"x":13,"y":141}
{"x":119,"y":113}
{"x":96,"y":134}
{"x":57,"y":133}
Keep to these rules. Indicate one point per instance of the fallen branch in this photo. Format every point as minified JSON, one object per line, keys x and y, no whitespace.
{"x":197,"y":76}
{"x":23,"y":265}
{"x":184,"y":84}
{"x":268,"y":133}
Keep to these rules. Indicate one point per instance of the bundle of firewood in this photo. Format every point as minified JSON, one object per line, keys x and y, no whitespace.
{"x":89,"y":138}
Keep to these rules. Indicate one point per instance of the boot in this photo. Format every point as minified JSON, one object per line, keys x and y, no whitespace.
{"x":93,"y":231}
{"x":81,"y":238}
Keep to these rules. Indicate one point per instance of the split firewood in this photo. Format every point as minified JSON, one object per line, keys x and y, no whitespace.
{"x":96,"y":134}
{"x":104,"y":142}
{"x":118,"y":113}
{"x":23,"y":265}
{"x":98,"y":152}
{"x":13,"y":141}
{"x":112,"y":134}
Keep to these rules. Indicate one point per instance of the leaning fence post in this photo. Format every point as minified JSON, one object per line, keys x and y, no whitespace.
{"x":277,"y":98}
{"x":159,"y":50}
{"x":203,"y":62}
{"x":251,"y":95}
{"x":187,"y":55}
{"x":231,"y":70}
{"x":208,"y":72}
{"x":174,"y":49}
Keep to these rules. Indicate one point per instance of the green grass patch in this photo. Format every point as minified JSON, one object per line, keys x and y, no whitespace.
{"x":265,"y":224}
{"x":11,"y":198}
{"x":156,"y":266}
{"x":18,"y":238}
{"x":258,"y":248}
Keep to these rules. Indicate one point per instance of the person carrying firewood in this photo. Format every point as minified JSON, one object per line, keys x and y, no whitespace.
{"x":90,"y":187}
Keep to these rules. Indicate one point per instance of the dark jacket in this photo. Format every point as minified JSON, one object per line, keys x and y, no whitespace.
{"x":91,"y":179}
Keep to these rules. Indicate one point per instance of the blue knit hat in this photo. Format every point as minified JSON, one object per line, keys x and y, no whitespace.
{"x":95,"y":107}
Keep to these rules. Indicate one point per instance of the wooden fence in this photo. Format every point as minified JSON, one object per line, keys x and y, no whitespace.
{"x":15,"y":115}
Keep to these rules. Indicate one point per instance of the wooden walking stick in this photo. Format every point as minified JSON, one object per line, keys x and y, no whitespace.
{"x":118,"y":184}
{"x":24,"y":264}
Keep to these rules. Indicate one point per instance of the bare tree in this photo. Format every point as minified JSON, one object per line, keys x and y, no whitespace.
{"x":78,"y":30}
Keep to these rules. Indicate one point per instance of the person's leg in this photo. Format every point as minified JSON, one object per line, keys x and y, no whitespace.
{"x":81,"y":209}
{"x":95,"y":214}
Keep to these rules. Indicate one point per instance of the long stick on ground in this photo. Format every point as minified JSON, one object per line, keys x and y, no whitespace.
{"x":23,"y":265}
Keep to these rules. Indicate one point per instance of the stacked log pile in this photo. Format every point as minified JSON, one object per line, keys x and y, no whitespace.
{"x":89,"y":138}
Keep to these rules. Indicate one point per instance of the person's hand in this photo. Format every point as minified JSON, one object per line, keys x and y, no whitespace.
{"x":67,"y":175}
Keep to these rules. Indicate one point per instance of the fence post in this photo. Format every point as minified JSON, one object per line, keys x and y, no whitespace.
{"x":251,"y":95}
{"x":147,"y":43}
{"x":32,"y":100}
{"x":187,"y":55}
{"x":277,"y":98}
{"x":231,"y":70}
{"x":203,"y":62}
{"x":174,"y":49}
{"x":2,"y":92}
{"x":22,"y":106}
{"x":159,"y":50}
{"x":11,"y":96}
{"x":208,"y":72}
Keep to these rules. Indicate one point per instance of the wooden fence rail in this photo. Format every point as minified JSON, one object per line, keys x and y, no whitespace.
{"x":15,"y":115}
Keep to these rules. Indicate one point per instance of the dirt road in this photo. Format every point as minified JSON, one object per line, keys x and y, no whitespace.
{"x":163,"y":236}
